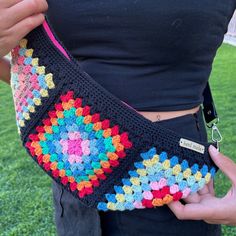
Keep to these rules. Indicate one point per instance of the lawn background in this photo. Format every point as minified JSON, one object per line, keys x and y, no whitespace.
{"x":25,"y":191}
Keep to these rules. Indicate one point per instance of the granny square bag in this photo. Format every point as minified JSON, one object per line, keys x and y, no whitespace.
{"x":96,"y":146}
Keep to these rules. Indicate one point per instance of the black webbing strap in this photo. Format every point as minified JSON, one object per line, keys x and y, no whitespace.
{"x":209,"y":109}
{"x":210,"y":114}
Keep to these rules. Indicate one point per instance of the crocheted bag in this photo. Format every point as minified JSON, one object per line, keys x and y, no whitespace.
{"x":96,"y":146}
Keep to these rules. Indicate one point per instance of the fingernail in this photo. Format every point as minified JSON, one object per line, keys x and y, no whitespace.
{"x":213,"y":150}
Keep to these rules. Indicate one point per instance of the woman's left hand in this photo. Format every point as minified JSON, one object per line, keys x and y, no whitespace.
{"x":204,"y":205}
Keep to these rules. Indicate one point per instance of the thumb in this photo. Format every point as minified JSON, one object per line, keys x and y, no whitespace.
{"x":226,"y":165}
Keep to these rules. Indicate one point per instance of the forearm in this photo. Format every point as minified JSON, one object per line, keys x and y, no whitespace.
{"x":5,"y":70}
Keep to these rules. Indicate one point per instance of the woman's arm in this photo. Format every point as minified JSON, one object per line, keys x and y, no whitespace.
{"x":204,"y":205}
{"x":5,"y":70}
{"x":17,"y":18}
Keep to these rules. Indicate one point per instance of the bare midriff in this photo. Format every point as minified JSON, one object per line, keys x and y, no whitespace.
{"x":164,"y":115}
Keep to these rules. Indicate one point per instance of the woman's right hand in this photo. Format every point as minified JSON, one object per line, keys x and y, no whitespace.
{"x":204,"y":205}
{"x":18,"y":18}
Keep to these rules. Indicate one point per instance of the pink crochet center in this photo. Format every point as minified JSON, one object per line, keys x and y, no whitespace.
{"x":55,"y":42}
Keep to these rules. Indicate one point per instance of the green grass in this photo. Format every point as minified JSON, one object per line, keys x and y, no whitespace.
{"x":25,"y":191}
{"x":223,"y":83}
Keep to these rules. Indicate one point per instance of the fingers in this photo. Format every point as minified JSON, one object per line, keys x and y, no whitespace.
{"x":204,"y":190}
{"x":231,"y":194}
{"x":211,"y":209}
{"x":192,"y":198}
{"x":227,"y":166}
{"x":26,"y":25}
{"x":207,"y":189}
{"x":8,"y":3}
{"x":24,"y":9}
{"x":194,"y":211}
{"x":18,"y":18}
{"x":211,"y":187}
{"x":225,"y":222}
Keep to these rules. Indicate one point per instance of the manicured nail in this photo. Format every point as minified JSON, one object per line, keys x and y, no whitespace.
{"x":213,"y":150}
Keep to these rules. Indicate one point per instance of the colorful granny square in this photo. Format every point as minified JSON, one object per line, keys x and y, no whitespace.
{"x":29,"y":82}
{"x":155,"y":181}
{"x":76,"y":146}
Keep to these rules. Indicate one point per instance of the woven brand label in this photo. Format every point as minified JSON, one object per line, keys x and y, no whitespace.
{"x":192,"y":145}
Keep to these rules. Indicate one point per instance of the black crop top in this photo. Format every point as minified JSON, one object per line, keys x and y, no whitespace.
{"x":155,"y":55}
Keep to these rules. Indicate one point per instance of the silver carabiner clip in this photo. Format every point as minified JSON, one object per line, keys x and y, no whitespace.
{"x":216,"y":135}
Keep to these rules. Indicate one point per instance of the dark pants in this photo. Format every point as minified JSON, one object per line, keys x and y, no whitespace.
{"x":73,"y":218}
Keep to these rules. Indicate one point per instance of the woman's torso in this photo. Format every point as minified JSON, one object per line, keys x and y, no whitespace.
{"x":154,"y":55}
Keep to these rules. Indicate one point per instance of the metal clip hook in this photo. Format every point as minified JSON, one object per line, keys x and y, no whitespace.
{"x":210,"y":125}
{"x":216,"y":135}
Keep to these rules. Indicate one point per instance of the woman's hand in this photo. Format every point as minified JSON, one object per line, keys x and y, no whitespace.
{"x":203,"y":205}
{"x":18,"y":18}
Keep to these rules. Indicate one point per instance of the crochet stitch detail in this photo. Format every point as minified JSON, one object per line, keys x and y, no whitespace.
{"x":156,"y":180}
{"x":77,"y":147}
{"x":29,"y":82}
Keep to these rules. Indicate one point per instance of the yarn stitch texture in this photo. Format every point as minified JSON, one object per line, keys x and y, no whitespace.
{"x":96,"y":146}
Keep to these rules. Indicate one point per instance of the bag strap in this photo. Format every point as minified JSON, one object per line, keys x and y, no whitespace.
{"x":210,"y":115}
{"x":209,"y":109}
